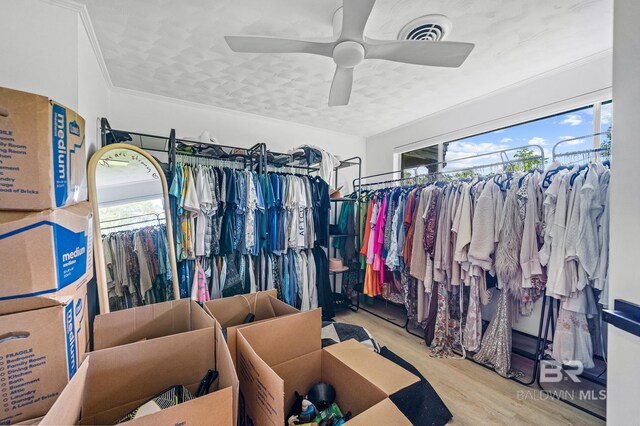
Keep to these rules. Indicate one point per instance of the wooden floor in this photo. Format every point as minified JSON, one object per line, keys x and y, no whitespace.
{"x":473,"y":394}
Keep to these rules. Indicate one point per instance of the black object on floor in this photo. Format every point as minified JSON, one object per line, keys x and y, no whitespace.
{"x":419,"y":402}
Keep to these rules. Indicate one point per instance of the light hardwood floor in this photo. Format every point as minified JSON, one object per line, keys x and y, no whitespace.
{"x":473,"y":394}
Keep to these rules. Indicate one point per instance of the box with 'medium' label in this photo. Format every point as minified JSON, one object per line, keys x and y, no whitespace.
{"x":42,"y":153}
{"x":40,"y":351}
{"x":45,"y":253}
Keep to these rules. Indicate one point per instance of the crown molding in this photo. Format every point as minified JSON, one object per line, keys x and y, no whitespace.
{"x":83,"y":12}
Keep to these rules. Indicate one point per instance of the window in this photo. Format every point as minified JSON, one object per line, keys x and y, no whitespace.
{"x":138,"y":213}
{"x":575,"y":129}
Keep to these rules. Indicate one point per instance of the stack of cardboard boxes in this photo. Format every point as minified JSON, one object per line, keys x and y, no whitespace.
{"x":46,"y":256}
{"x":46,"y":261}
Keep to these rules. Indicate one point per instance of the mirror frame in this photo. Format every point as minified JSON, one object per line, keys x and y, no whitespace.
{"x":98,"y":254}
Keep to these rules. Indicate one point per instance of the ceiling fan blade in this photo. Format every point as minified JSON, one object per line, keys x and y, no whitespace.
{"x":257,"y":44}
{"x":355,"y":14}
{"x":341,"y":87}
{"x":420,"y":52}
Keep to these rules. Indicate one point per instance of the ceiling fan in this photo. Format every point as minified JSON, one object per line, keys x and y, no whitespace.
{"x":351,"y":48}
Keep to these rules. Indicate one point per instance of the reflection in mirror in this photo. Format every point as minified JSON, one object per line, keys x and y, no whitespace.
{"x":135,"y":240}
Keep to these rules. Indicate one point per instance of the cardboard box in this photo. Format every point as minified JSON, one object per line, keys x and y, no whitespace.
{"x":40,"y":351}
{"x":45,"y":252}
{"x":230,"y":312}
{"x":43,"y":156}
{"x":284,"y":355}
{"x":149,"y":322}
{"x":112,"y":382}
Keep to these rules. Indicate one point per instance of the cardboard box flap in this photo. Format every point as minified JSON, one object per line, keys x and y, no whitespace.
{"x":69,"y":404}
{"x":199,"y":318}
{"x":280,"y":308}
{"x":378,"y":370}
{"x":383,"y":413}
{"x":266,"y":390}
{"x":285,"y":338}
{"x":81,"y":209}
{"x":231,"y":311}
{"x":148,"y":322}
{"x":215,"y":407}
{"x":23,"y":304}
{"x":14,"y":216}
{"x":145,"y":375}
{"x":224,"y":363}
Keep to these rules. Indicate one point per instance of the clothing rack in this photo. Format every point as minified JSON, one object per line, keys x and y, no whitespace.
{"x":503,"y":154}
{"x":507,"y":162}
{"x":549,"y":317}
{"x":159,"y":217}
{"x":595,"y":151}
{"x":339,"y":300}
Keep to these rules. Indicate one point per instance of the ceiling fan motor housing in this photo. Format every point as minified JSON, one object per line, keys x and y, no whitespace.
{"x":348,"y":54}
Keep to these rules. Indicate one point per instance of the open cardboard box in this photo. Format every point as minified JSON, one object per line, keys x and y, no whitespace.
{"x":148,"y":322}
{"x":112,"y":382}
{"x":284,"y":355}
{"x":230,"y":312}
{"x":41,"y":344}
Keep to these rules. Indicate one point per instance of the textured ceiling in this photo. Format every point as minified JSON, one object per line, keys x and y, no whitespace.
{"x":176,"y":49}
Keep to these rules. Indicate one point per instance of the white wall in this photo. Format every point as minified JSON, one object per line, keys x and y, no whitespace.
{"x":93,"y":89}
{"x":157,"y":115}
{"x":569,"y":87}
{"x":624,"y":348}
{"x":38,"y":50}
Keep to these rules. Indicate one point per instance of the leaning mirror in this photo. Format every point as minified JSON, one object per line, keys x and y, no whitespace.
{"x":133,"y":237}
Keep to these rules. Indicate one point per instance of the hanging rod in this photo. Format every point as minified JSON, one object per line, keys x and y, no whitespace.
{"x":157,"y":215}
{"x":502,"y":153}
{"x":555,"y":146}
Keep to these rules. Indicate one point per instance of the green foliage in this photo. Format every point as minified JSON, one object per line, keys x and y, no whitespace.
{"x":606,"y":145}
{"x":527,"y":160}
{"x":465,"y":174}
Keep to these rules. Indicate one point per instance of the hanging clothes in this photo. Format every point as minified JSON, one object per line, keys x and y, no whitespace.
{"x":137,"y":266}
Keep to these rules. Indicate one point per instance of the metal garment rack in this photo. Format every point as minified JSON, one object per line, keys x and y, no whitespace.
{"x":339,"y":300}
{"x":550,"y":322}
{"x":508,"y":165}
{"x":551,"y":314}
{"x":302,"y":162}
{"x":594,"y":152}
{"x":253,"y":158}
{"x":159,"y":217}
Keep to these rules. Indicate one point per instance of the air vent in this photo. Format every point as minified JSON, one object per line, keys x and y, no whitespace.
{"x":427,"y":28}
{"x":430,"y":32}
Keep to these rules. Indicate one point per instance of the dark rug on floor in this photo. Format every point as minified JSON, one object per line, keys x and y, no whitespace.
{"x":419,"y":402}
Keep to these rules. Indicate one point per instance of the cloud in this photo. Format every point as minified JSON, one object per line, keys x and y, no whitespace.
{"x":471,"y":148}
{"x":605,"y":115}
{"x":506,"y":140}
{"x":572,"y":120}
{"x":571,"y":140}
{"x":537,"y":140}
{"x":498,"y":131}
{"x":458,"y":151}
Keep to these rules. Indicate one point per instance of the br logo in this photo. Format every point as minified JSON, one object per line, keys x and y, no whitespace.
{"x":554,"y":372}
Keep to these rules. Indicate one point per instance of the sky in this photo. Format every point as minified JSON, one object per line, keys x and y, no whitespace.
{"x":544,"y":133}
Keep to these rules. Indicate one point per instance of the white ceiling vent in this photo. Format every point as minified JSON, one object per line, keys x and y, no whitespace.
{"x":427,"y":28}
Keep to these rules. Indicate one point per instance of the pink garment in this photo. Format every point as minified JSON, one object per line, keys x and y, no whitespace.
{"x":378,"y":261}
{"x":199,"y":289}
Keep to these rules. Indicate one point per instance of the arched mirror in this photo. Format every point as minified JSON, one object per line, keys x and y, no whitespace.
{"x":133,"y":237}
